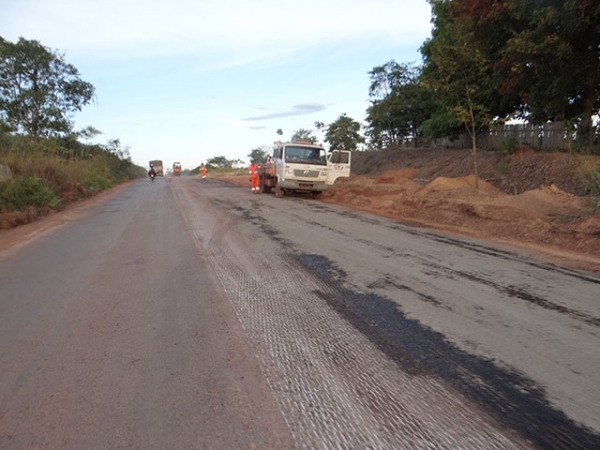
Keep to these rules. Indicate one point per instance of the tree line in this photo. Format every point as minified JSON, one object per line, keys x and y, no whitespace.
{"x":486,"y":62}
{"x":491,"y":61}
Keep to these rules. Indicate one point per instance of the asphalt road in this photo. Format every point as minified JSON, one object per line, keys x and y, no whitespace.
{"x":194,"y":314}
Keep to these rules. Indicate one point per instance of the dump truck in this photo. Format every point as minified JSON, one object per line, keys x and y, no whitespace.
{"x":301,"y":166}
{"x":158,"y":167}
{"x":176,"y":168}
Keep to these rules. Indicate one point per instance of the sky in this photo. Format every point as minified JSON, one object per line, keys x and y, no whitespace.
{"x":189,"y":80}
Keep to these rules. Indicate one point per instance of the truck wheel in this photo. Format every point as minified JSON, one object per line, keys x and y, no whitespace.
{"x":278,"y":191}
{"x":264,"y":189}
{"x":261,"y":184}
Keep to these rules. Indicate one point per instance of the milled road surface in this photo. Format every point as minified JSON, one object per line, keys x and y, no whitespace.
{"x":231,"y":320}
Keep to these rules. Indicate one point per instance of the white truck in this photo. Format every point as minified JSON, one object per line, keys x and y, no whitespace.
{"x":301,"y":166}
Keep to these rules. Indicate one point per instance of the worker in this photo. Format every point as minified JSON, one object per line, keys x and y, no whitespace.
{"x":203,"y":171}
{"x":254,"y":180}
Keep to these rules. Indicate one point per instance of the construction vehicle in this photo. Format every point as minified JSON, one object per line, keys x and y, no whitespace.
{"x":158,"y":167}
{"x":301,"y":166}
{"x":176,"y":169}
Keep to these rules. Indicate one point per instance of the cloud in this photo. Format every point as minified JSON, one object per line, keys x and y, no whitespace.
{"x":297,"y":110}
{"x":257,"y":128}
{"x":214,"y":34}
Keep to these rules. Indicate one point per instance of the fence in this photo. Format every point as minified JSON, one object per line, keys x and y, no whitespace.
{"x":550,"y":136}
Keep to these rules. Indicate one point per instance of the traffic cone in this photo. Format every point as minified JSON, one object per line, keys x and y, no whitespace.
{"x":169,"y":177}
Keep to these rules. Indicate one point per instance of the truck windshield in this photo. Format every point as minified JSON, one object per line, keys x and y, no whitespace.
{"x":307,"y":155}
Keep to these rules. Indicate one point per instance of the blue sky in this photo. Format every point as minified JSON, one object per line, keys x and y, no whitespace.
{"x":188,"y":80}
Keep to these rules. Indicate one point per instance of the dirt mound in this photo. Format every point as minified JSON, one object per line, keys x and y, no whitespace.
{"x":550,"y":200}
{"x":589,"y":226}
{"x":451,"y":184}
{"x":14,"y":219}
{"x":393,"y":176}
{"x":514,"y":174}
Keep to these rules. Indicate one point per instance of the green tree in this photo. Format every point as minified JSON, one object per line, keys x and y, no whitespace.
{"x":552,"y":61}
{"x":384,"y":79}
{"x":344,"y":134}
{"x":221,"y":162}
{"x":304,"y":135}
{"x":399,"y":105}
{"x":39,"y":91}
{"x":461,"y":77}
{"x":259,"y":154}
{"x":544,"y":56}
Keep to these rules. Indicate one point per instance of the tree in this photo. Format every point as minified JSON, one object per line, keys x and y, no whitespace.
{"x":552,"y":61}
{"x":344,"y":134}
{"x":221,"y":162}
{"x":544,"y":56}
{"x":38,"y":90}
{"x":399,"y":104}
{"x":384,"y":79}
{"x":87,"y":132}
{"x":259,"y":154}
{"x":460,"y":74}
{"x":304,"y":135}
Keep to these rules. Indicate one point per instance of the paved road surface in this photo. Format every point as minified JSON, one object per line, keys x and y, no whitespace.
{"x":231,"y":320}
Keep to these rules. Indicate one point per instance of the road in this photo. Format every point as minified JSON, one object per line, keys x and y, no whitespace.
{"x":194,"y":314}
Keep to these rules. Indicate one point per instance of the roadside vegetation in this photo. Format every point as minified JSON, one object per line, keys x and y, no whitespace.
{"x":46,"y":175}
{"x":44,"y":164}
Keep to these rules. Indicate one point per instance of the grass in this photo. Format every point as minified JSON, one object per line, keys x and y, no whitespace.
{"x":564,"y":219}
{"x":46,"y":175}
{"x":19,"y":194}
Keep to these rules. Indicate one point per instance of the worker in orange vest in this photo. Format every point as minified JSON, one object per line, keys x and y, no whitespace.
{"x":254,"y":180}
{"x":203,"y":171}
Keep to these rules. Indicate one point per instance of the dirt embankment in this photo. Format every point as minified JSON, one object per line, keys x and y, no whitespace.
{"x":540,"y":202}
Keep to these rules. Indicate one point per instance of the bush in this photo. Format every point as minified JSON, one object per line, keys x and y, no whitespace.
{"x":96,"y":182}
{"x":20,"y":193}
{"x":67,"y":173}
{"x":510,"y":145}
